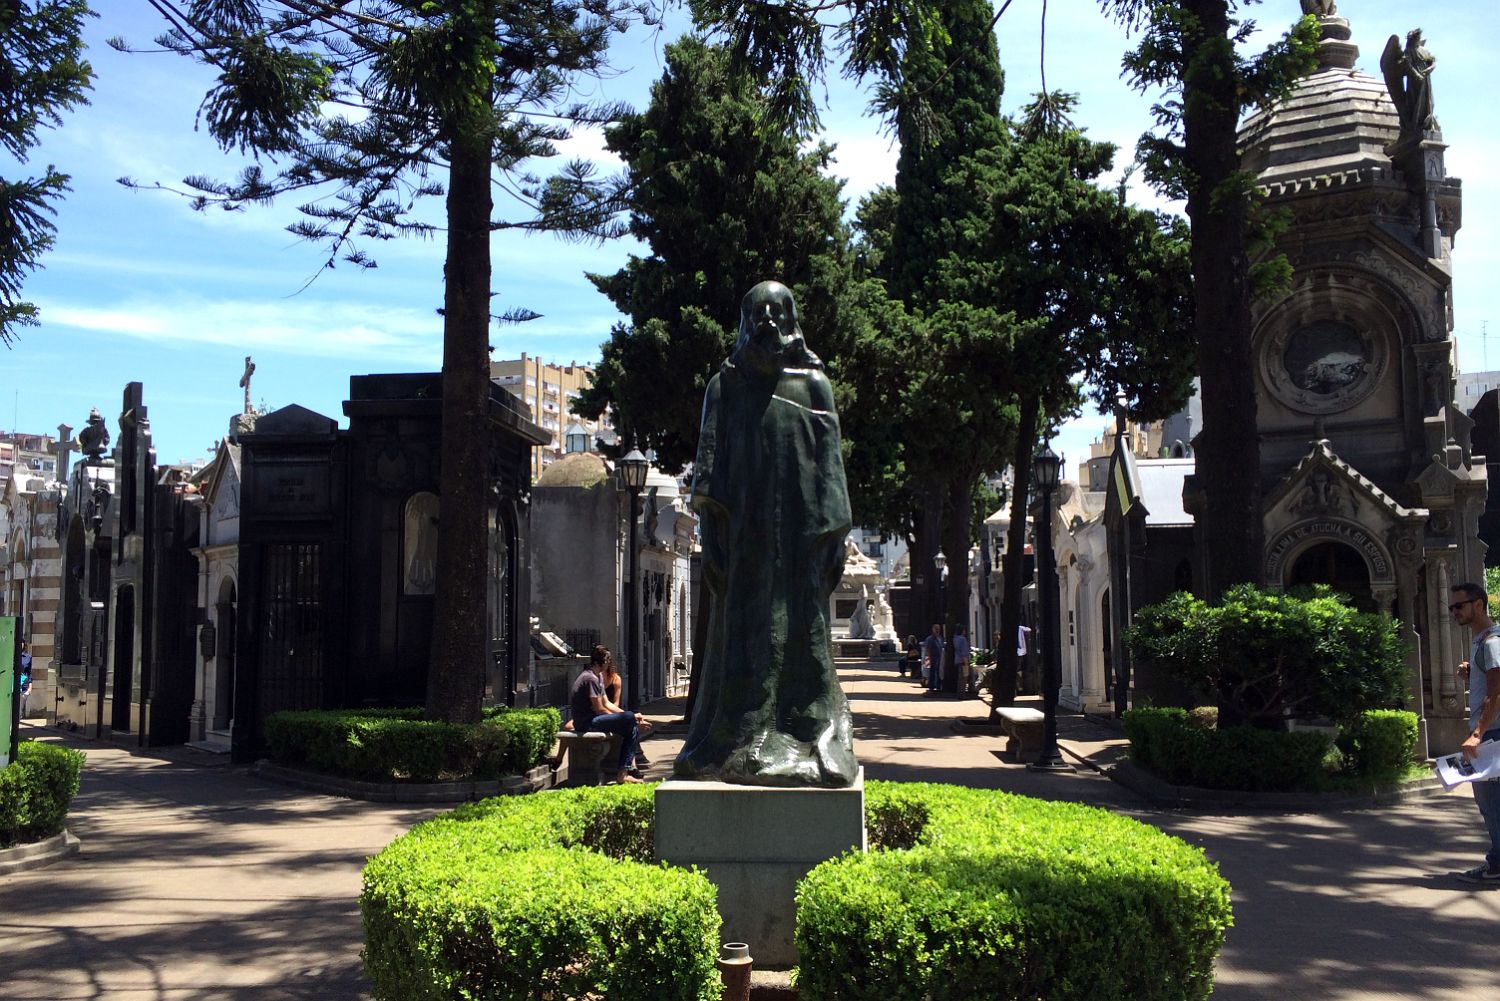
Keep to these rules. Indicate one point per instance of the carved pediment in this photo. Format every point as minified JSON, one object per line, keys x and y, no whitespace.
{"x":295,"y":420}
{"x":1325,"y":499}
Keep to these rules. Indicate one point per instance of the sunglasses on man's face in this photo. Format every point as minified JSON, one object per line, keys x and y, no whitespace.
{"x":1460,"y":604}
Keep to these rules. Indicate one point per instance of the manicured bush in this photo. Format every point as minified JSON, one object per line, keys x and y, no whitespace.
{"x":1264,"y":655}
{"x":1382,"y":743}
{"x":1173,"y":746}
{"x":399,"y":745}
{"x":35,"y":791}
{"x":539,"y":896}
{"x":1001,"y":896}
{"x":965,"y":894}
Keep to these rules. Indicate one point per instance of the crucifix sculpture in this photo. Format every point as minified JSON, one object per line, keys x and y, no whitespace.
{"x":61,"y":449}
{"x":245,"y":381}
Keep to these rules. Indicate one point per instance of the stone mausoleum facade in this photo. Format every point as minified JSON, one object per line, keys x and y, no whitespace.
{"x":1369,"y":478}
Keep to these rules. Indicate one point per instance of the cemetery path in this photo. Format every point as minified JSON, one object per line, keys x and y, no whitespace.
{"x":199,"y":881}
{"x":196,"y":882}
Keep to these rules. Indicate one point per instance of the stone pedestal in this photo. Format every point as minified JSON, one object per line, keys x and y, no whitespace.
{"x":755,"y":843}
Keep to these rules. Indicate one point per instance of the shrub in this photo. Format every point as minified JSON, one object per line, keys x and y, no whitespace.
{"x":398,"y":745}
{"x":539,"y":896}
{"x":1382,"y":743}
{"x":1264,"y":655}
{"x":1170,"y":744}
{"x":965,"y":894}
{"x":1002,"y":896}
{"x":35,"y":791}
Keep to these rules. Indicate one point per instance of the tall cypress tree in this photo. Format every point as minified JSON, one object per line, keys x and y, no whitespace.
{"x":722,"y":202}
{"x":957,"y":405}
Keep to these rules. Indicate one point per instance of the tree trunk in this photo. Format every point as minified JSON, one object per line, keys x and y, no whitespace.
{"x":956,"y":547}
{"x":456,"y":672}
{"x":1007,"y":664}
{"x":927,"y":529}
{"x":1227,"y":450}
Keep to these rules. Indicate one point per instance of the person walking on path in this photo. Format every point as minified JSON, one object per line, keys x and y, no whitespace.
{"x":1470,"y":607}
{"x":25,"y":680}
{"x":961,"y":653}
{"x":932,"y":659}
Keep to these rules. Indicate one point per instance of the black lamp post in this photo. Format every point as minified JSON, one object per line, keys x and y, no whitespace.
{"x":940,"y":563}
{"x":1047,"y":469}
{"x":632,"y":472}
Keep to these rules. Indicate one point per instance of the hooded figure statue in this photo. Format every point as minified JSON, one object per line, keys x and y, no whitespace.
{"x":769,"y":491}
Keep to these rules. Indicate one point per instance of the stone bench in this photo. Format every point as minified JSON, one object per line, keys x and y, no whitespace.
{"x":1024,"y":728}
{"x":591,"y":756}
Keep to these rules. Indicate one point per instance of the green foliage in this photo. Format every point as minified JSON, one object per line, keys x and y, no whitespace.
{"x":1194,"y":52}
{"x":387,"y":745}
{"x":991,"y":895}
{"x":1170,"y":744}
{"x":35,"y":790}
{"x":1382,"y":743}
{"x":538,"y":896}
{"x":1266,"y":655}
{"x":42,"y":74}
{"x":377,"y":116}
{"x":965,"y":893}
{"x":369,"y":107}
{"x":1492,"y":590}
{"x":722,"y":202}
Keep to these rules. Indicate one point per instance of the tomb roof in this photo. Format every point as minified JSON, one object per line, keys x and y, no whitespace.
{"x":1332,"y":128}
{"x":577,"y":469}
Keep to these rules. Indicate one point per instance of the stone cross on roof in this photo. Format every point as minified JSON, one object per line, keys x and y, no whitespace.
{"x":61,"y":448}
{"x":245,"y":381}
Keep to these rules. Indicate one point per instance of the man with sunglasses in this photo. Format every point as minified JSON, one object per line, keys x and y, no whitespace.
{"x":1470,"y":607}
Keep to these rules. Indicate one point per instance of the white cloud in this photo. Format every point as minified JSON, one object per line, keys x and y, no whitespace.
{"x":304,"y":327}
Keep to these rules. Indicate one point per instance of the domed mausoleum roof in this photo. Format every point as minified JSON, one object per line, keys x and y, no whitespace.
{"x":577,"y":469}
{"x":1333,"y":127}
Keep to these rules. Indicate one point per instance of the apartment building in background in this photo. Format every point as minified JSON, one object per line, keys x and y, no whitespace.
{"x":549,"y":390}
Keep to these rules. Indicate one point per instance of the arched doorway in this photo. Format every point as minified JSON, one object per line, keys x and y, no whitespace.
{"x":1107,"y":644}
{"x":124,"y":650}
{"x":72,"y":594}
{"x":1337,"y":565}
{"x":224,"y":650}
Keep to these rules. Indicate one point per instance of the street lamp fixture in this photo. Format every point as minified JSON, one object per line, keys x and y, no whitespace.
{"x":1047,"y":471}
{"x":940,"y":564}
{"x":631,"y":469}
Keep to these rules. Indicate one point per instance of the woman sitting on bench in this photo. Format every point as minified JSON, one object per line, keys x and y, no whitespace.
{"x":592,"y":709}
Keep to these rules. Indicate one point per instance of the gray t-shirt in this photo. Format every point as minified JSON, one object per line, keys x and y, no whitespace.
{"x":1484,"y":656}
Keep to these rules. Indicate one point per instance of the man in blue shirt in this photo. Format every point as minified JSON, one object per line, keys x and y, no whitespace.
{"x":1469,"y":606}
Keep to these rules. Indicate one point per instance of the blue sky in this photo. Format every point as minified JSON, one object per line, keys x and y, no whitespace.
{"x":141,"y":288}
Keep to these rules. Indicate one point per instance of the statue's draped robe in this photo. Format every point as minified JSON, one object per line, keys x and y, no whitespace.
{"x":773,"y":505}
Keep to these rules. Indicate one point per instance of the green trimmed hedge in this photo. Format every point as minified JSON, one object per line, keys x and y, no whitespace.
{"x":553,"y":895}
{"x":1383,"y":743}
{"x":1182,"y":747}
{"x":1003,"y":896}
{"x":386,"y":745}
{"x":35,"y":791}
{"x":965,"y":894}
{"x":1169,"y":743}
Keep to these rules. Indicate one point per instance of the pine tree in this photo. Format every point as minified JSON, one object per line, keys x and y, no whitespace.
{"x":385,"y":105}
{"x":1190,"y":48}
{"x":42,"y":74}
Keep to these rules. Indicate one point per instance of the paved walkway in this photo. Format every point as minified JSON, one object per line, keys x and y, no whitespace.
{"x":200,"y":882}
